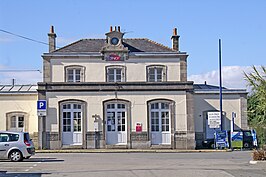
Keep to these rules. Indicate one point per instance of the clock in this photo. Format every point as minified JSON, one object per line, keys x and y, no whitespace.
{"x":114,"y":41}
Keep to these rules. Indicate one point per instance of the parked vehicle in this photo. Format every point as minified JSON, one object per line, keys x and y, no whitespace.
{"x":16,"y":146}
{"x":248,"y":140}
{"x":208,"y":143}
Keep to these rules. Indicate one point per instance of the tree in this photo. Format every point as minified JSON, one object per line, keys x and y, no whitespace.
{"x":257,"y":101}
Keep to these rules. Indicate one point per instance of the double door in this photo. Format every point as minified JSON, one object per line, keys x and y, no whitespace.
{"x":116,"y":124}
{"x":72,"y":124}
{"x":160,"y":123}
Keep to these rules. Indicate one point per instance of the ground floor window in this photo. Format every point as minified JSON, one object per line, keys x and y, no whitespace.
{"x":16,"y":121}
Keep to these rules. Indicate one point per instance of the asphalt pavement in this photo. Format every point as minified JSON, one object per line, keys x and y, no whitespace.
{"x":136,"y":164}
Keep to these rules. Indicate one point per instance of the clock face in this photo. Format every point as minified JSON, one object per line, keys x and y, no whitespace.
{"x":114,"y":41}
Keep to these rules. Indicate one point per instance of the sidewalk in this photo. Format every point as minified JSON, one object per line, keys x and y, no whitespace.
{"x":130,"y":151}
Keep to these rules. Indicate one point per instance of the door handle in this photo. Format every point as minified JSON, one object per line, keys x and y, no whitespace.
{"x":6,"y":144}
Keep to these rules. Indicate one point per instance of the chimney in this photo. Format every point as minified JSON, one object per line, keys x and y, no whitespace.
{"x":118,"y":28}
{"x":13,"y":82}
{"x":175,"y":40}
{"x":111,"y":28}
{"x":52,"y":37}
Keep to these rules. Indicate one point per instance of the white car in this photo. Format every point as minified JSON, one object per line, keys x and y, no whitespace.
{"x":16,"y":146}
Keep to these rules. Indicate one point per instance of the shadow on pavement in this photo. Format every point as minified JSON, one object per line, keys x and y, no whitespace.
{"x":13,"y":174}
{"x":43,"y":160}
{"x":35,"y":160}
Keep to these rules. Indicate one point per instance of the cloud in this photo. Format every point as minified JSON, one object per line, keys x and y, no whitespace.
{"x":232,"y":77}
{"x":21,"y":77}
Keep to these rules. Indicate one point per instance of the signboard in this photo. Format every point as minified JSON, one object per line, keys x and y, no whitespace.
{"x":237,"y":139}
{"x":41,"y":107}
{"x":138,"y":127}
{"x":114,"y":57}
{"x":221,"y":139}
{"x":214,"y":119}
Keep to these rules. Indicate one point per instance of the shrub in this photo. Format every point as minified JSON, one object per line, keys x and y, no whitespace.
{"x":259,"y":155}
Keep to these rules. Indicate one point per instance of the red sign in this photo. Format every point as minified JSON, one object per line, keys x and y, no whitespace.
{"x":138,"y":127}
{"x":114,"y":57}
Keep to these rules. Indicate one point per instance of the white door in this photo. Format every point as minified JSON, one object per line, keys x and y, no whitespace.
{"x":72,"y":124}
{"x":160,"y":123}
{"x":116,"y":129}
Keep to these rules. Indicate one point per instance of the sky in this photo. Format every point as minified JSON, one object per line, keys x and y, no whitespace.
{"x":240,"y":24}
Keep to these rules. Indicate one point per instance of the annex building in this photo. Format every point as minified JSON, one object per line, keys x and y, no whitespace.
{"x":124,"y":93}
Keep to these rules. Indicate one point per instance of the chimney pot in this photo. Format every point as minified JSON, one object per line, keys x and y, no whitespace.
{"x":115,"y":28}
{"x":111,"y":28}
{"x":118,"y":28}
{"x":52,"y":29}
{"x":175,"y":32}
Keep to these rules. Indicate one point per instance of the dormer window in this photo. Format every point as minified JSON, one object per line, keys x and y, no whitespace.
{"x":74,"y":74}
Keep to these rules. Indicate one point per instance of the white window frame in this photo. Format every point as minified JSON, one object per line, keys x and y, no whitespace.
{"x":75,"y":70}
{"x":13,"y":122}
{"x":156,"y":74}
{"x":162,"y":125}
{"x":115,"y":68}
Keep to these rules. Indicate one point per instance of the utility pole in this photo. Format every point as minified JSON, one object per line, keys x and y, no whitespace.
{"x":220,"y":81}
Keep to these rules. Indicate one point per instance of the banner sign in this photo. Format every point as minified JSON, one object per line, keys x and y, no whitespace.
{"x":237,"y":139}
{"x":254,"y":136}
{"x":221,"y":139}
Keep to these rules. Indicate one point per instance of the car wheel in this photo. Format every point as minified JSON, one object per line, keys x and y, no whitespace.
{"x":15,"y":156}
{"x":246,"y":145}
{"x":212,"y":146}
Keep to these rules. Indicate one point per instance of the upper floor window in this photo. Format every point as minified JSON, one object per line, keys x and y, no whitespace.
{"x":115,"y":74}
{"x":156,"y":73}
{"x":74,"y":74}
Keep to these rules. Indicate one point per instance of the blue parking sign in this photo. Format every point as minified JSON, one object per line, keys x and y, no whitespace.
{"x":41,"y":104}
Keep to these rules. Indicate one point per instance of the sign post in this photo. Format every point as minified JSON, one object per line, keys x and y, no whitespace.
{"x":232,"y":128}
{"x":41,"y":112}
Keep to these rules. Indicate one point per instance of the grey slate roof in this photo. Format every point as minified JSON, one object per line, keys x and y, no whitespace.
{"x":134,"y":45}
{"x":18,"y":89}
{"x":205,"y":88}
